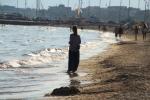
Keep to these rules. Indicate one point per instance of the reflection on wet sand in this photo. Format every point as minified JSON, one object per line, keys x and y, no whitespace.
{"x":74,"y":81}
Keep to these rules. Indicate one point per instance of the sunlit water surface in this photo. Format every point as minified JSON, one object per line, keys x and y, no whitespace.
{"x":33,"y":59}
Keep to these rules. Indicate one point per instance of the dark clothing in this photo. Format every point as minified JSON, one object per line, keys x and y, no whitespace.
{"x":74,"y":53}
{"x":74,"y":42}
{"x":74,"y":57}
{"x":116,"y":31}
{"x":136,"y":32}
{"x":144,"y":32}
{"x":120,"y":31}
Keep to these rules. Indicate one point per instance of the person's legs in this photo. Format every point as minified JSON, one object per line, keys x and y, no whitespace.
{"x":76,"y":60}
{"x":143,"y":36}
{"x":70,"y":62}
{"x":136,"y":36}
{"x":116,"y":35}
{"x":119,"y":35}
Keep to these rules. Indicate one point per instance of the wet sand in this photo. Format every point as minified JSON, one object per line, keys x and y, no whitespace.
{"x":119,"y":73}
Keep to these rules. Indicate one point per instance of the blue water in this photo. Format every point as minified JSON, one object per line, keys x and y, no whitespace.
{"x":33,"y":59}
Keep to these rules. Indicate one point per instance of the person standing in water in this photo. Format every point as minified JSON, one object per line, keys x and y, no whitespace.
{"x":74,"y":51}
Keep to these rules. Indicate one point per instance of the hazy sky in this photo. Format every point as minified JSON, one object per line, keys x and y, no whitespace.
{"x":73,"y":3}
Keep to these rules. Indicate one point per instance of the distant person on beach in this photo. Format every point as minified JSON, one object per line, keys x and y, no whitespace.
{"x":74,"y":51}
{"x":99,"y":27}
{"x":116,"y":31}
{"x":144,"y":31}
{"x":81,"y":28}
{"x":120,"y":31}
{"x":136,"y":30}
{"x":104,"y":28}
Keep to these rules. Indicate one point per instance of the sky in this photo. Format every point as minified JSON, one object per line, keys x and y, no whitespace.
{"x":72,"y":3}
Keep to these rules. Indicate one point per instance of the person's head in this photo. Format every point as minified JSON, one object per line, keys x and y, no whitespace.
{"x":74,"y":29}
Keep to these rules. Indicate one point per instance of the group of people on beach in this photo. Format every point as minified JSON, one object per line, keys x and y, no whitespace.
{"x":143,"y":29}
{"x":137,"y":29}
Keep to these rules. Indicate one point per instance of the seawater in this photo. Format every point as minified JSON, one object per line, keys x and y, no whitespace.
{"x":33,"y":59}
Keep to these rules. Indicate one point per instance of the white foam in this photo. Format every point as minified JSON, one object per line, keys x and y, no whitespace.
{"x":44,"y":56}
{"x":51,"y":55}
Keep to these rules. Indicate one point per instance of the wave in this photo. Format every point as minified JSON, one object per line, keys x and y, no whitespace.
{"x":36,"y":58}
{"x":45,"y":56}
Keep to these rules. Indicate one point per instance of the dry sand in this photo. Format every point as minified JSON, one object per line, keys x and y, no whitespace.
{"x":120,"y":73}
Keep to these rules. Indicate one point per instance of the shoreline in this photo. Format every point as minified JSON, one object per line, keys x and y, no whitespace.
{"x":32,"y":73}
{"x":120,"y":72}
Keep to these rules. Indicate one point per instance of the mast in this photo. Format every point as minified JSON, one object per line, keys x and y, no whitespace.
{"x":129,"y":10}
{"x":145,"y":11}
{"x":0,"y":6}
{"x":37,"y":7}
{"x":100,"y":8}
{"x":109,"y":3}
{"x":89,"y":8}
{"x":17,"y":4}
{"x":81,"y":4}
{"x":68,"y":3}
{"x":25,"y":6}
{"x":148,"y":9}
{"x":100,"y":3}
{"x":79,"y":8}
{"x":120,"y":10}
{"x":139,"y":4}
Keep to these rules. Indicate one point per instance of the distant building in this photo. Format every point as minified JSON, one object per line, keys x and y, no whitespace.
{"x":59,"y":12}
{"x":91,"y":13}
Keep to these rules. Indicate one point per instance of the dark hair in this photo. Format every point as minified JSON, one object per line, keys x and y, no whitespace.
{"x":75,"y":30}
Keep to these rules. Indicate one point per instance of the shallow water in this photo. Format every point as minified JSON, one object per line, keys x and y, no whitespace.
{"x":33,"y":59}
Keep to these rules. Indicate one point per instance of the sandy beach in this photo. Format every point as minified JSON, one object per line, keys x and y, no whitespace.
{"x":119,"y":73}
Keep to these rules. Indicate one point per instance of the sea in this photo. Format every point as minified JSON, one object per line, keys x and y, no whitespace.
{"x":34,"y":59}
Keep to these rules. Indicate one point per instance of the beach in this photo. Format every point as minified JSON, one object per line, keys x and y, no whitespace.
{"x":109,"y":69}
{"x":34,"y":59}
{"x":119,"y":73}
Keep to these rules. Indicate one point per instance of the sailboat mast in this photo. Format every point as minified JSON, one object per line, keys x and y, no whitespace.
{"x":37,"y":7}
{"x":100,"y":3}
{"x":79,"y":8}
{"x":109,"y":3}
{"x":129,"y":10}
{"x":120,"y":10}
{"x":100,"y":8}
{"x":145,"y":11}
{"x":139,"y":4}
{"x":25,"y":7}
{"x":89,"y":8}
{"x":25,"y":4}
{"x":17,"y":3}
{"x":149,"y":10}
{"x":68,"y":3}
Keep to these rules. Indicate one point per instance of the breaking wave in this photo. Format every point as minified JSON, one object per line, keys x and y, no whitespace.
{"x":45,"y":56}
{"x":36,"y":58}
